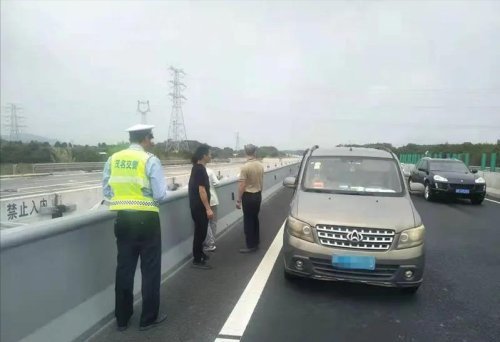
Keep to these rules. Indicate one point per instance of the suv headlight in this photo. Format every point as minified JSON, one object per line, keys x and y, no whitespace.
{"x":299,"y":229}
{"x":480,"y":180}
{"x":411,"y":237}
{"x":439,"y":178}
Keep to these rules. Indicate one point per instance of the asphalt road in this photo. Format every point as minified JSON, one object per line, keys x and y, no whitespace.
{"x":32,"y":185}
{"x":458,"y":301}
{"x":12,"y":187}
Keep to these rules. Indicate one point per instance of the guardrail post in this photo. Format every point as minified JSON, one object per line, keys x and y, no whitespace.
{"x":483,"y":161}
{"x":493,"y":162}
{"x":467,"y":159}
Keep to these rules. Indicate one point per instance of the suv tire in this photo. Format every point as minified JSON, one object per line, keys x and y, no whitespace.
{"x":409,"y":290}
{"x":289,"y":276}
{"x":477,"y":200}
{"x":428,"y":192}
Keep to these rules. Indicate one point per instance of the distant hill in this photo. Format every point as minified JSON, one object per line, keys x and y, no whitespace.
{"x":26,"y":138}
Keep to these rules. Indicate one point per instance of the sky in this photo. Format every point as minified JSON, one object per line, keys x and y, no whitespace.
{"x":288,"y":74}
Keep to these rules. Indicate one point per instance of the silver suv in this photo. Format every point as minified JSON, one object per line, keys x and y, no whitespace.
{"x":352,"y":219}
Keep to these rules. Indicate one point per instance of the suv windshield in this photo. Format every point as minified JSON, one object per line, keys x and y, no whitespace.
{"x":449,"y":166}
{"x":359,"y":175}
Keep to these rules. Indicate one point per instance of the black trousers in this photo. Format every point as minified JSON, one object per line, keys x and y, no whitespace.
{"x":250,"y":203}
{"x":200,"y":219}
{"x":138,"y":233}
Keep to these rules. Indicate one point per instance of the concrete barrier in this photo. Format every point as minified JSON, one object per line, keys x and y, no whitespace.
{"x":57,"y":277}
{"x":492,"y":183}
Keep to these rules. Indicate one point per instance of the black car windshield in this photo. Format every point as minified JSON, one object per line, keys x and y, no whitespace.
{"x":448,"y":166}
{"x":356,"y":175}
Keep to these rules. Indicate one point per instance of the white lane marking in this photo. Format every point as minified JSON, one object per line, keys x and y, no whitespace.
{"x":238,"y":320}
{"x":490,"y":200}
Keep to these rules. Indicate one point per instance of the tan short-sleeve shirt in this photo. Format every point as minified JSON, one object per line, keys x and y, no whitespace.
{"x":253,"y":175}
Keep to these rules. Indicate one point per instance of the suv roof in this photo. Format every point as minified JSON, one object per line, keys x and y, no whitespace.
{"x":352,"y":151}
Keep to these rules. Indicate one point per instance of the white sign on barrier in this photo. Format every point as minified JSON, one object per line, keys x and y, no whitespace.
{"x":22,"y":208}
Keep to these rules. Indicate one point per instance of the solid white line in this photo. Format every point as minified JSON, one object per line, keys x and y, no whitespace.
{"x":489,"y":200}
{"x":238,"y":320}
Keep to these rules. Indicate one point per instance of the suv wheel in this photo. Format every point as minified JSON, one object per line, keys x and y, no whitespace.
{"x":428,"y":192}
{"x":477,"y":199}
{"x":409,"y":290}
{"x":289,"y":276}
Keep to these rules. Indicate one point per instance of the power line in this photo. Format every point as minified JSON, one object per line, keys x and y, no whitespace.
{"x":177,"y":139}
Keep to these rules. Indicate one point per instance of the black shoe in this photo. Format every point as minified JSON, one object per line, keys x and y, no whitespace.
{"x":202,"y":265}
{"x":161,"y":318}
{"x":123,"y":327}
{"x":248,"y":250}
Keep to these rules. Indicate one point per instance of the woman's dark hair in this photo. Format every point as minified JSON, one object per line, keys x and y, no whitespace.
{"x":199,"y":153}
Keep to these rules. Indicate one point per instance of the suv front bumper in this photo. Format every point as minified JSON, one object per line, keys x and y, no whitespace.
{"x":449,"y":189}
{"x":390,"y":269}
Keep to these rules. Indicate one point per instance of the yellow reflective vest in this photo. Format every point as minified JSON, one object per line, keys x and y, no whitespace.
{"x":128,"y":178}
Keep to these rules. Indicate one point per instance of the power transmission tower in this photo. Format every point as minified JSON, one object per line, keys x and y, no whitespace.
{"x":177,"y":140}
{"x":237,"y":146}
{"x":14,"y":120}
{"x":143,"y":112}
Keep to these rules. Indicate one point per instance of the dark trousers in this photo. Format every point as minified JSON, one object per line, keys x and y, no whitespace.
{"x":200,"y":219}
{"x":250,"y":203}
{"x":138,"y":233}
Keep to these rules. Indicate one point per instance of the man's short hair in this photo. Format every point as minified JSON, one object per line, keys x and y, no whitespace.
{"x":250,"y":149}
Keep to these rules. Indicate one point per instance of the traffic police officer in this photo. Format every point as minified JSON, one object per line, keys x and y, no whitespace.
{"x":134,"y":184}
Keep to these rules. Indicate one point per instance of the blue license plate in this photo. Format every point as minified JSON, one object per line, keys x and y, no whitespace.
{"x":353,"y":262}
{"x":462,"y":191}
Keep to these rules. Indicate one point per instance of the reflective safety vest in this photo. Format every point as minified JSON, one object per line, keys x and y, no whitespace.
{"x":128,"y":178}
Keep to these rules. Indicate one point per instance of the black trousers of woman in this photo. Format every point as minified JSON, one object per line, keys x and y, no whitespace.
{"x":200,"y":219}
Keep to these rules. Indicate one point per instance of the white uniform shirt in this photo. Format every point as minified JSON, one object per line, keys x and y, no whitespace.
{"x":214,"y":200}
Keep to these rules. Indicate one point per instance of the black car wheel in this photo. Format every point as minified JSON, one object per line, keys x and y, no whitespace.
{"x":289,"y":276}
{"x":428,"y":192}
{"x":477,"y":199}
{"x":409,"y":290}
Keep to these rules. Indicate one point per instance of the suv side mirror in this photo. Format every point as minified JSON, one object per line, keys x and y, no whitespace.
{"x":473,"y":170}
{"x":289,"y":182}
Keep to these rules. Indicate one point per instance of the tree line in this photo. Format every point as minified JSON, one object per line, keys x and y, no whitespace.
{"x":63,"y":152}
{"x":475,"y":150}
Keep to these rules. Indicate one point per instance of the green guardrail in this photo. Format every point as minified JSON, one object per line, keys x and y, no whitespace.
{"x":486,"y":163}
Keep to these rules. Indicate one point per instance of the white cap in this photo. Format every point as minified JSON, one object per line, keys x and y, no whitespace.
{"x":140,"y":127}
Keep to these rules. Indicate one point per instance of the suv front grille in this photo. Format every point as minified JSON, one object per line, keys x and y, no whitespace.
{"x":369,"y":239}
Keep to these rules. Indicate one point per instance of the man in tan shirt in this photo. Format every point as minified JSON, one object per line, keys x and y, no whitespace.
{"x":250,"y":197}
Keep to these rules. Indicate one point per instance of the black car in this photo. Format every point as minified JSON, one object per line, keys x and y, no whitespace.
{"x":448,"y":177}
